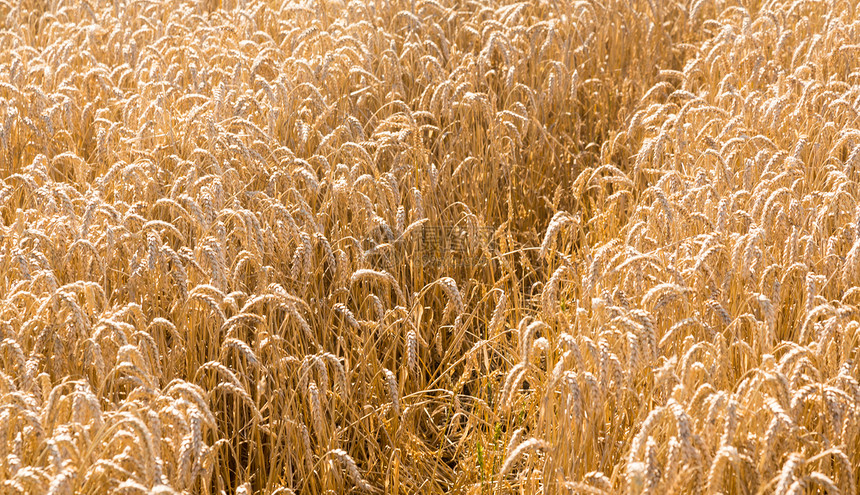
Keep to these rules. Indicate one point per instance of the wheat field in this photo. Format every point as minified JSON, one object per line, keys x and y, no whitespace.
{"x":453,"y":246}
